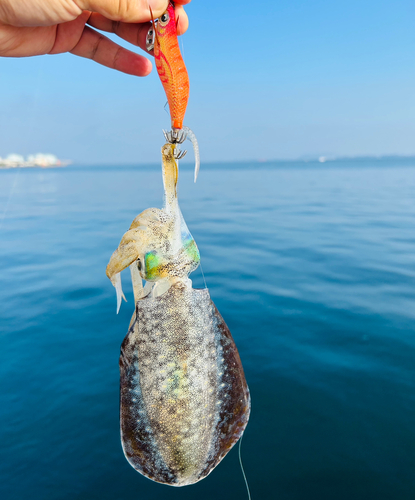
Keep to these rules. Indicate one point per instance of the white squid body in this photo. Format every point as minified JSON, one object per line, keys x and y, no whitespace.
{"x":184,"y":397}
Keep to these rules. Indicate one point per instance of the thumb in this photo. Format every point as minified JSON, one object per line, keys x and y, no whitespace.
{"x":127,"y":11}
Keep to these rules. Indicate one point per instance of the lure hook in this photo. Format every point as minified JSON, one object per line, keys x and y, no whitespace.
{"x":178,"y":136}
{"x":175,"y":136}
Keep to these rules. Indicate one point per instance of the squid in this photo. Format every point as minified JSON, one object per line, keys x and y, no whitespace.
{"x":184,"y":400}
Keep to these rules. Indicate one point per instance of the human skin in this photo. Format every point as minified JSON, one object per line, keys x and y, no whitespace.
{"x":37,"y":27}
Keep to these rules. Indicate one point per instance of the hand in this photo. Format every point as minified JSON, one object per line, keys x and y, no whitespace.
{"x":36,"y":27}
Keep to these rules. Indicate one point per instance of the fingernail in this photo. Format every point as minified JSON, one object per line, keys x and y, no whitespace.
{"x":148,"y":69}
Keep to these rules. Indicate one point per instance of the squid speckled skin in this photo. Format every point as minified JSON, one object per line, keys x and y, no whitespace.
{"x":184,"y":398}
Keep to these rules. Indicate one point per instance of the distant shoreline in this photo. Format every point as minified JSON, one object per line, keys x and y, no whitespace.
{"x":30,"y":165}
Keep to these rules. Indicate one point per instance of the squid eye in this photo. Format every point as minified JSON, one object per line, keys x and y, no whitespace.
{"x":164,"y":19}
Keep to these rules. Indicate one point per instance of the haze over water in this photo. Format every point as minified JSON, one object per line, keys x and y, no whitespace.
{"x":311,"y":265}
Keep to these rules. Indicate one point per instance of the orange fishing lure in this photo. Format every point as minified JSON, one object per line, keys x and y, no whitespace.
{"x":162,"y":37}
{"x":170,"y":66}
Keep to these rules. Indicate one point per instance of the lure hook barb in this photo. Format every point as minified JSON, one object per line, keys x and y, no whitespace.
{"x":179,"y":154}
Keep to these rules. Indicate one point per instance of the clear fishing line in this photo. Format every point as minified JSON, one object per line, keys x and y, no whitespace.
{"x":165,"y":108}
{"x":242,"y":469}
{"x":182,"y":44}
{"x":203,"y":274}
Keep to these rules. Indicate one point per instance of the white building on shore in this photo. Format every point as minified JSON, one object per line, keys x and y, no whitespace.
{"x":37,"y":160}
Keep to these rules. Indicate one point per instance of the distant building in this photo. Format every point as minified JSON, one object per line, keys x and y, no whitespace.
{"x":37,"y":160}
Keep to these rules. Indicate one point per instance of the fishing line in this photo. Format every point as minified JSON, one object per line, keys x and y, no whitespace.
{"x":165,"y":106}
{"x":242,"y":469}
{"x":203,"y":274}
{"x":182,"y":44}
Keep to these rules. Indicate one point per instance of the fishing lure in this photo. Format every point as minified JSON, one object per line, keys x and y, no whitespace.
{"x":162,"y":38}
{"x":184,"y":398}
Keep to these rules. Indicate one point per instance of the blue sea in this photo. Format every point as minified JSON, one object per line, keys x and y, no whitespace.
{"x":311,"y":264}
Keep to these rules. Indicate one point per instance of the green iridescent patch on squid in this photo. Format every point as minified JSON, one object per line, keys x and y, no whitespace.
{"x":152,"y":265}
{"x":191,"y":249}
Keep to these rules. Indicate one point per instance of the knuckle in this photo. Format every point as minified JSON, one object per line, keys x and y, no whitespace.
{"x":96,"y":45}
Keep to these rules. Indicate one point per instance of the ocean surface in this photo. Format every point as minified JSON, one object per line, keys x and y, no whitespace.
{"x":313,"y":268}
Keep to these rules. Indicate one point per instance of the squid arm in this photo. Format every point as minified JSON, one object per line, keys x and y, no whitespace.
{"x":192,"y":138}
{"x":128,"y":252}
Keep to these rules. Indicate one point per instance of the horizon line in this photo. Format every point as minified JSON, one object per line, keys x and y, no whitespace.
{"x":303,"y":159}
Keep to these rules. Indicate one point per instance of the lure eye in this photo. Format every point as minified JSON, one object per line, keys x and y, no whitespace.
{"x":139,"y":264}
{"x":164,"y":19}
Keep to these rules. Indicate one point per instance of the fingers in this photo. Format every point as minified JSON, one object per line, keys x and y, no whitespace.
{"x":128,"y":19}
{"x":82,"y":41}
{"x":37,"y":13}
{"x":181,"y":15}
{"x":128,"y":11}
{"x":135,"y":33}
{"x":51,"y":12}
{"x":68,"y":34}
{"x":90,"y":44}
{"x":183,"y":23}
{"x":132,"y":33}
{"x":100,"y":49}
{"x":23,"y":42}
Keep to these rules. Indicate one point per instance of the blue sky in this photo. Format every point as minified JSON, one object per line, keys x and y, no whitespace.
{"x":269,"y":80}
